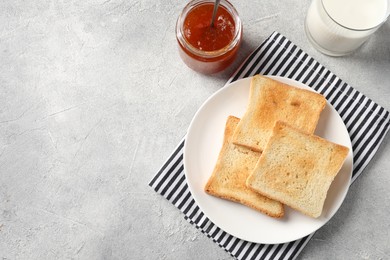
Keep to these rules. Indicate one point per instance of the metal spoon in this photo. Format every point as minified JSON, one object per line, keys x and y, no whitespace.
{"x":216,"y":4}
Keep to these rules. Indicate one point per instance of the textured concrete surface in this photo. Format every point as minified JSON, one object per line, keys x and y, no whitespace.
{"x":94,"y":97}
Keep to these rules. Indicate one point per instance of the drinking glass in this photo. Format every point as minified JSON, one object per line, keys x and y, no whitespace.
{"x":338,"y":28}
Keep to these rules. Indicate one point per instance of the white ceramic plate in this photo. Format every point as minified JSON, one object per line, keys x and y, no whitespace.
{"x":201,"y":149}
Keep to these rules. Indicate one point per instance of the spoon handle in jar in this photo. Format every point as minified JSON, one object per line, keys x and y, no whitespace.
{"x":216,"y":4}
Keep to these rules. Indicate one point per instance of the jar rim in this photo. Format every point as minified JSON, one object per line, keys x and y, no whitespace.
{"x":208,"y":54}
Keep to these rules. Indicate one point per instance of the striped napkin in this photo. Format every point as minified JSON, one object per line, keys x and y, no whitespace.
{"x":366,"y":122}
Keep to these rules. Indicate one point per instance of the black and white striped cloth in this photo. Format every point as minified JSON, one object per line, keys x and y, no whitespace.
{"x":366,"y":121}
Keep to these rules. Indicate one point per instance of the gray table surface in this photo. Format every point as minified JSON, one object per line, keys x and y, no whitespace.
{"x":93,"y":99}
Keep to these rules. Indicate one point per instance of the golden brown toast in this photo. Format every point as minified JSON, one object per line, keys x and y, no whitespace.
{"x":228,"y":180}
{"x":297,"y":169}
{"x":270,"y":101}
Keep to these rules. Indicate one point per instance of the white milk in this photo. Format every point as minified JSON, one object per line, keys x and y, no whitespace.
{"x":345,"y":24}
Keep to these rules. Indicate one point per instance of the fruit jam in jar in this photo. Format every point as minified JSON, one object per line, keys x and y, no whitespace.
{"x":205,"y":48}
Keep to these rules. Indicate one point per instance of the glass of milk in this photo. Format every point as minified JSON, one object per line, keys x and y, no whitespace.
{"x":338,"y":27}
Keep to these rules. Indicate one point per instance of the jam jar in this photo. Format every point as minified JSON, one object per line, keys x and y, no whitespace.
{"x":205,"y":48}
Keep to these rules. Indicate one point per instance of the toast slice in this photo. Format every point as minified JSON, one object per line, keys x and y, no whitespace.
{"x":228,"y":180}
{"x":270,"y":101}
{"x":297,"y":169}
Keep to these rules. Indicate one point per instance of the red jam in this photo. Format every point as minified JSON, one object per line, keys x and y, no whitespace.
{"x":200,"y":34}
{"x":205,"y":48}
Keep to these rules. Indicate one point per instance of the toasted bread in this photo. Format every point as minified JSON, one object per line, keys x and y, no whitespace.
{"x":270,"y":101}
{"x":297,"y":169}
{"x":228,"y":179}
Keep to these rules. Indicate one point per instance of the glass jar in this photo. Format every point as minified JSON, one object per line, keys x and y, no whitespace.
{"x":217,"y":50}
